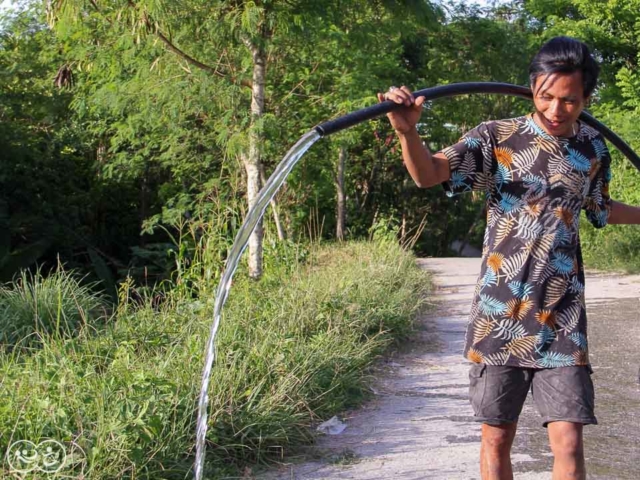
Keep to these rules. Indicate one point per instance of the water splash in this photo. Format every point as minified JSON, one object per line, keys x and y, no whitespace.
{"x":240,"y":243}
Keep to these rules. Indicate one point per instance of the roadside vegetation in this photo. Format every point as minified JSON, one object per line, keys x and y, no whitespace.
{"x":294,"y":349}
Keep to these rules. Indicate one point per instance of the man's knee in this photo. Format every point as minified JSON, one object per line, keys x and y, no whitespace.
{"x":567,"y":447}
{"x":498,"y":439}
{"x":566,"y":440}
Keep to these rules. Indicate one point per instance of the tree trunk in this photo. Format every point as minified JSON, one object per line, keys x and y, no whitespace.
{"x":251,"y":159}
{"x":274,"y":208}
{"x":341,"y":213}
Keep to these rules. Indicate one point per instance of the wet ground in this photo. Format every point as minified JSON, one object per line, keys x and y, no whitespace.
{"x":420,"y":424}
{"x":613,"y":447}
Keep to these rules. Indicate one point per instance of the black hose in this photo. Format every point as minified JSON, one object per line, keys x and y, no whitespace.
{"x":455,"y":89}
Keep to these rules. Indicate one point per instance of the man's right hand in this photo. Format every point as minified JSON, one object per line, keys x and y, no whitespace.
{"x":403,"y":120}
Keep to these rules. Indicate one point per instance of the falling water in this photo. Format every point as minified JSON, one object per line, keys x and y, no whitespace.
{"x":242,"y":238}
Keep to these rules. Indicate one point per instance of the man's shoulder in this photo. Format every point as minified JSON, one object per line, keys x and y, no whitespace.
{"x":505,"y":122}
{"x":588,"y":133}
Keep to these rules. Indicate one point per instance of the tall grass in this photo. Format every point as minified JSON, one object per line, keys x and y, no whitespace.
{"x":293,"y":349}
{"x":35,"y":307}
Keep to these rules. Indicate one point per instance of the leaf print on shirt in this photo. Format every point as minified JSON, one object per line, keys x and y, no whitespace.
{"x":468,"y":165}
{"x":524,"y":159}
{"x":472,"y":143}
{"x":482,"y":328}
{"x":509,"y":203}
{"x":521,"y":347}
{"x":534,"y":208}
{"x":512,"y":265}
{"x":581,"y":357}
{"x":558,"y":165}
{"x":508,"y":329}
{"x":521,"y":290}
{"x":546,"y":318}
{"x":548,"y":146}
{"x":540,"y":247}
{"x":579,"y":339}
{"x":517,"y":309}
{"x":497,"y":358}
{"x":504,"y":156}
{"x":599,"y":148}
{"x":503,"y":175}
{"x":564,"y":214}
{"x":546,"y":336}
{"x":569,"y":318}
{"x":576,"y":286}
{"x":491,"y":306}
{"x":494,"y":262}
{"x":562,"y":237}
{"x":531,"y":283}
{"x":506,"y":129}
{"x":562,"y":263}
{"x":458,"y":180}
{"x":578,"y":160}
{"x":555,"y":360}
{"x":475,"y":356}
{"x":505,"y":225}
{"x":556,"y":289}
{"x":528,"y":228}
{"x":490,"y":278}
{"x":536,"y":187}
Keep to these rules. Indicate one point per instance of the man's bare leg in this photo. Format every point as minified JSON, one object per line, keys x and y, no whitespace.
{"x":566,"y":443}
{"x":495,"y":451}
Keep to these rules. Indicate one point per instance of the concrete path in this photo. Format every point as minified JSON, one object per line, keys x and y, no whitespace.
{"x":420,"y":426}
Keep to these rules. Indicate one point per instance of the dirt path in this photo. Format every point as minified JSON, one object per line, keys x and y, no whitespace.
{"x":420,"y":426}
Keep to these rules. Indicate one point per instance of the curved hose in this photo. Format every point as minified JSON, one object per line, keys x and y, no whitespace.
{"x":455,"y":89}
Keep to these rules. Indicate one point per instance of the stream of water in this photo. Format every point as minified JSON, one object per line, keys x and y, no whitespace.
{"x":240,"y":243}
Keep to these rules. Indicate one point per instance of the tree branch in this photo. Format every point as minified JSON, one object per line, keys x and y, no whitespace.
{"x":188,"y":58}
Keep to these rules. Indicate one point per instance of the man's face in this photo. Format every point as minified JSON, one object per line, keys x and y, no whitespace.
{"x":559,"y":100}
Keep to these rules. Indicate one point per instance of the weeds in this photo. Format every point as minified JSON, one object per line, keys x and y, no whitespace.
{"x":293,"y":349}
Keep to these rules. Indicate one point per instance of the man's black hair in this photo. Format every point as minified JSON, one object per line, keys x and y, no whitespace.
{"x":565,"y":55}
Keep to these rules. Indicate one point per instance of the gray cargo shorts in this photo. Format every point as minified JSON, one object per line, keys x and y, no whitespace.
{"x":497,"y":393}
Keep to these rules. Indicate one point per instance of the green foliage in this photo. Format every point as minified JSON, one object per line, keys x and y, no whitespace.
{"x":293,"y":349}
{"x":35,"y":308}
{"x":612,"y":29}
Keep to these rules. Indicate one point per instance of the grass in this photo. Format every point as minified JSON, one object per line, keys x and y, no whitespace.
{"x":614,"y":248}
{"x":35,"y":307}
{"x":293,"y":348}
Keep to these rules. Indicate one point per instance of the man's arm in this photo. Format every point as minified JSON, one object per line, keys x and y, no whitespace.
{"x":623,"y":214}
{"x":425,"y":168}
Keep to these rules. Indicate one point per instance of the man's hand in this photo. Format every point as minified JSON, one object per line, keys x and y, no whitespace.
{"x":403,"y":120}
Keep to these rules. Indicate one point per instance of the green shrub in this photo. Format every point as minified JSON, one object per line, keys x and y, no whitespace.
{"x":293,"y":349}
{"x":35,"y":306}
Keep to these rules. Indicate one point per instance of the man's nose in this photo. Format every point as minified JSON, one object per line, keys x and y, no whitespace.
{"x":556,"y":106}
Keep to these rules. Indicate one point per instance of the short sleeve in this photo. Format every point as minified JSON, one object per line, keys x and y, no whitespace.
{"x":470,"y":162}
{"x":597,"y":202}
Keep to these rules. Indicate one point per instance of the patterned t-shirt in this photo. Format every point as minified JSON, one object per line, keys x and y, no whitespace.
{"x":529,"y":308}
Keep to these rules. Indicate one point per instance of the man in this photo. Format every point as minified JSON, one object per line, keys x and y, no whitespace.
{"x":528,"y":321}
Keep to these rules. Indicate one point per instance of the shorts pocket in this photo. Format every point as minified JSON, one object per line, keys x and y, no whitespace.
{"x":477,"y":385}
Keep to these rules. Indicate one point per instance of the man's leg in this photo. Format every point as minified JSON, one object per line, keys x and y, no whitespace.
{"x":568,"y":450}
{"x":565,"y":399}
{"x":495,"y":451}
{"x":497,"y":394}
